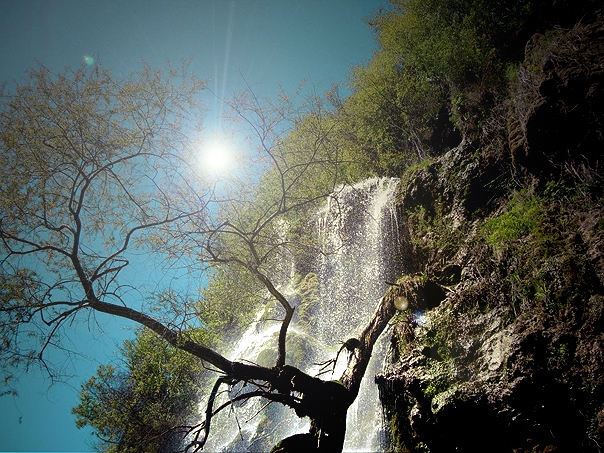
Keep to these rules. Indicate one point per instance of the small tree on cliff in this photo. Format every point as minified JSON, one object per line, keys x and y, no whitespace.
{"x":98,"y":172}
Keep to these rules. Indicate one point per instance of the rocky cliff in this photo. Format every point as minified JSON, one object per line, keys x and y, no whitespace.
{"x":508,"y":354}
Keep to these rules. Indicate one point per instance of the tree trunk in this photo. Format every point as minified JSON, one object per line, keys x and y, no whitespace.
{"x":327,"y":402}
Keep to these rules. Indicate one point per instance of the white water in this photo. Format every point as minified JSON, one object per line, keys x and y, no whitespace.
{"x":358,"y":233}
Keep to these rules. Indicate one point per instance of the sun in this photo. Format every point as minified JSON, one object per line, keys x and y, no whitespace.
{"x":216,"y":156}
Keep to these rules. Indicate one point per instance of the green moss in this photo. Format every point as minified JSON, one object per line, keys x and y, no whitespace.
{"x":432,"y":390}
{"x":521,"y":219}
{"x":267,"y":357}
{"x":443,"y":376}
{"x":411,"y":171}
{"x":299,"y":349}
{"x":307,"y":289}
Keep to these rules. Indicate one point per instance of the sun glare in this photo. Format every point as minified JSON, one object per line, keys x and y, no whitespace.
{"x":216,"y":156}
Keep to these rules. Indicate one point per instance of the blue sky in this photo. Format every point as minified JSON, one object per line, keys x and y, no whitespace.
{"x":264,"y":42}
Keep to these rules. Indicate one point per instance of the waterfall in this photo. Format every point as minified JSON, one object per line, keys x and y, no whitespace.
{"x":359,"y":251}
{"x":359,"y":234}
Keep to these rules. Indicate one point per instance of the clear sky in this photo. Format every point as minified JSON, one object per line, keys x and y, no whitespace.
{"x":265,"y":42}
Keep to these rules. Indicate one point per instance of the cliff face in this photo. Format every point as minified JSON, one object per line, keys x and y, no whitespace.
{"x":510,"y":224}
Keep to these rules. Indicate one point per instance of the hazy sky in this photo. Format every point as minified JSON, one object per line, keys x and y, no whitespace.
{"x":264,"y":42}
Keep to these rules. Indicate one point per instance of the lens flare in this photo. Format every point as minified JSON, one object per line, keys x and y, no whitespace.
{"x":401,"y":303}
{"x":420,"y":319}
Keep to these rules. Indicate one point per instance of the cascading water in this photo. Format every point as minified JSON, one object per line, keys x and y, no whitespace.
{"x":358,"y":233}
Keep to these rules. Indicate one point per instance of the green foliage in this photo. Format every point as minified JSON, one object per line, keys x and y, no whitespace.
{"x":559,"y":356}
{"x":440,"y":65}
{"x":136,"y":408}
{"x":229,"y":301}
{"x":435,"y":387}
{"x":390,"y":114}
{"x":401,"y":100}
{"x":309,"y":155}
{"x":521,"y":218}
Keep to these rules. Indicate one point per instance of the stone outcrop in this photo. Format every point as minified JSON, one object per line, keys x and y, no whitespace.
{"x":512,"y":358}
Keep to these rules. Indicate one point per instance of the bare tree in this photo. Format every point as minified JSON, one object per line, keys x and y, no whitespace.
{"x":97,"y":171}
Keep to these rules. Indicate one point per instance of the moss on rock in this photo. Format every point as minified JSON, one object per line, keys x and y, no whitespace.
{"x":511,"y":357}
